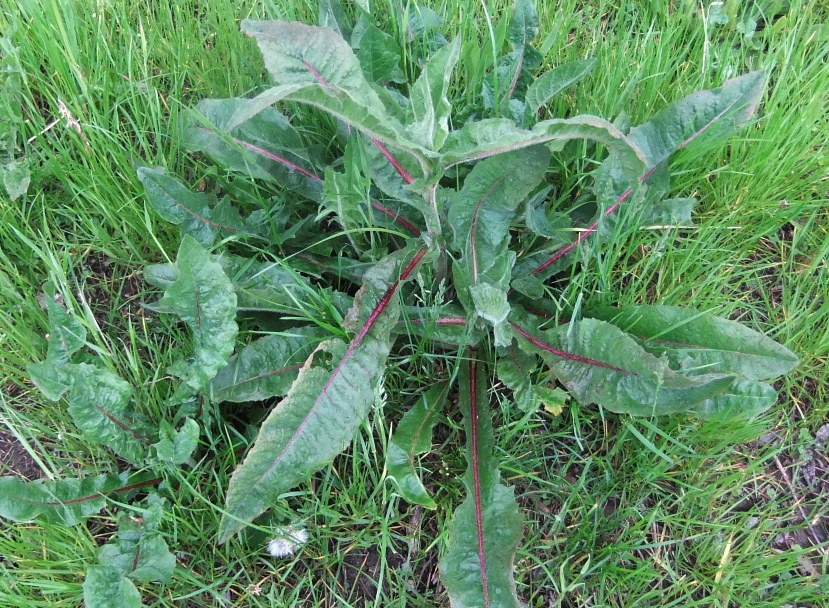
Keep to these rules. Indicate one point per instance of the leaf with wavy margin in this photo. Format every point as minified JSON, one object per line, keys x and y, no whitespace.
{"x":480,"y":216}
{"x":601,"y":364}
{"x":99,"y":401}
{"x":67,"y":501}
{"x":429,"y":107}
{"x":327,"y":402}
{"x":266,"y":367}
{"x":700,"y":343}
{"x":477,"y":568}
{"x":265,"y":146}
{"x":105,"y":587}
{"x":412,"y":437}
{"x":485,"y":138}
{"x":100,"y":406}
{"x":203,"y":297}
{"x":551,"y":83}
{"x":200,"y":215}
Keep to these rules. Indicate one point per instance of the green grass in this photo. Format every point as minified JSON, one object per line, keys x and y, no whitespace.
{"x":620,"y":512}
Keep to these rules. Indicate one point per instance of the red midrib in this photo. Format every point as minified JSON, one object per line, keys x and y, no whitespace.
{"x":378,"y":310}
{"x":476,"y":475}
{"x":474,"y":228}
{"x":569,"y":356}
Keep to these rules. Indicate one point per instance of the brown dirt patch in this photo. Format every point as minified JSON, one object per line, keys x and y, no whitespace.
{"x":15,"y":459}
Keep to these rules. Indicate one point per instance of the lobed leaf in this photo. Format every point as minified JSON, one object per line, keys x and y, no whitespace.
{"x":327,"y":402}
{"x":176,"y":447}
{"x":99,"y":400}
{"x":485,"y":531}
{"x":412,"y":437}
{"x":700,"y":343}
{"x":147,"y":560}
{"x":139,"y":552}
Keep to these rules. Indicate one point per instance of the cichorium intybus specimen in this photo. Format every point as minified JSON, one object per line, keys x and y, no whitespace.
{"x":445,"y":225}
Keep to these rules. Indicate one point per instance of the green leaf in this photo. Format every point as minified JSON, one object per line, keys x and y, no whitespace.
{"x":490,"y":303}
{"x":67,"y":335}
{"x":265,"y":146}
{"x":481,"y":213}
{"x":387,"y":178}
{"x":259,"y":286}
{"x":668,"y":213}
{"x":372,"y":120}
{"x":429,"y":109}
{"x":139,"y":552}
{"x":265,"y":368}
{"x":176,"y":447}
{"x":379,"y":55}
{"x":480,"y":216}
{"x":523,"y":23}
{"x":200,"y":215}
{"x":691,"y":122}
{"x":105,"y":587}
{"x":700,"y":343}
{"x":446,"y":325}
{"x":515,"y":369}
{"x":331,"y":14}
{"x":326,"y":404}
{"x":314,"y":65}
{"x":296,"y":53}
{"x":14,"y":170}
{"x":477,"y":568}
{"x":551,"y":83}
{"x":16,"y":177}
{"x":699,"y":118}
{"x":529,"y":285}
{"x":99,"y":400}
{"x":744,"y":397}
{"x":600,"y":364}
{"x":508,"y":72}
{"x":52,"y":380}
{"x":203,"y":297}
{"x":346,"y":195}
{"x":412,"y":437}
{"x":100,"y":406}
{"x":68,"y":501}
{"x":145,"y":561}
{"x":484,"y":138}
